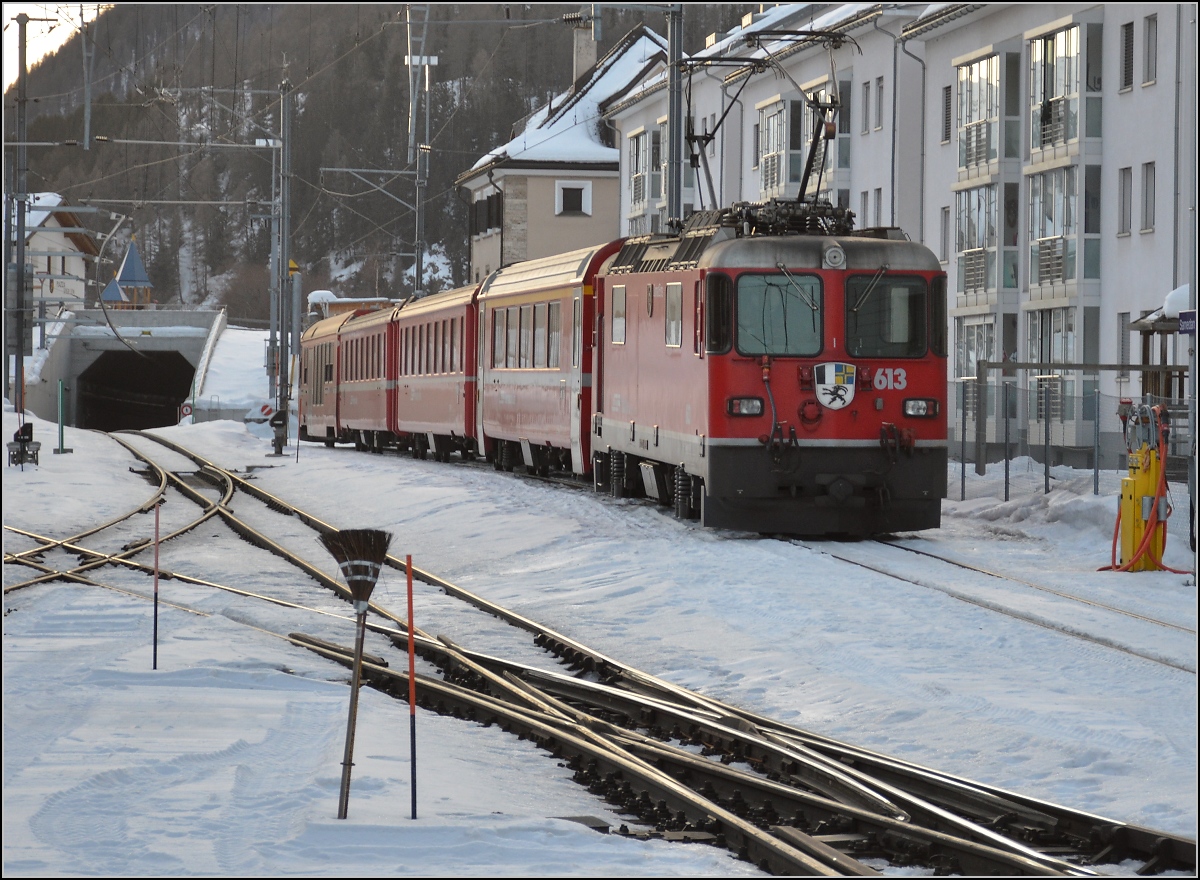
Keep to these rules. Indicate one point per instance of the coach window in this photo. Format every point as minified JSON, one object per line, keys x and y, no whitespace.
{"x":553,"y":333}
{"x":886,"y":316}
{"x":539,"y":335}
{"x":454,"y":328}
{"x":498,"y":335}
{"x":674,"y":311}
{"x":618,"y":315}
{"x":779,"y":314}
{"x":444,"y":366}
{"x":526,"y":337}
{"x":510,"y":347}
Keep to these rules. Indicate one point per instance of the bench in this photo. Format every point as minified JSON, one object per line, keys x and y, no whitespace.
{"x":23,"y":448}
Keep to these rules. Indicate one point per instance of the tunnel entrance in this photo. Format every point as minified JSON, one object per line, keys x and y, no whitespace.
{"x":124,"y":390}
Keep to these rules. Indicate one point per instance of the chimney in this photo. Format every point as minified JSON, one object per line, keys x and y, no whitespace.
{"x":584,"y":56}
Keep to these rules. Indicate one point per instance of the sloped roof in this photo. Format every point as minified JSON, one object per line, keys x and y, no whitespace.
{"x":566,"y":130}
{"x":113,"y":293}
{"x":42,"y":207}
{"x":132,"y":273}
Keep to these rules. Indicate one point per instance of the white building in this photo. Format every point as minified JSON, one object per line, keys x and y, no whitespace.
{"x":61,"y":252}
{"x":1045,"y":153}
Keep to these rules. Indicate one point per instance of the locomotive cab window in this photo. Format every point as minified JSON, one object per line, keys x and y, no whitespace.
{"x":718,"y":310}
{"x":779,"y":314}
{"x":886,"y":316}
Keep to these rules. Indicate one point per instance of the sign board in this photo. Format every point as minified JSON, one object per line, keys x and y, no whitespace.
{"x":185,"y":410}
{"x":1187,"y":322}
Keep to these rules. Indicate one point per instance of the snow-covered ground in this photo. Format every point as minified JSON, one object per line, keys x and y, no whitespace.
{"x":226,"y":759}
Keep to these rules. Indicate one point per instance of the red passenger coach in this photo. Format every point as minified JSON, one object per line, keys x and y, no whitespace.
{"x":434,"y":401}
{"x":367,"y":372}
{"x":319,"y":380}
{"x":535,"y":369}
{"x":771,"y":381}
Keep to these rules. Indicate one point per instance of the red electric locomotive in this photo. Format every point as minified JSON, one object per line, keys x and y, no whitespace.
{"x":766,"y":369}
{"x":770,"y":370}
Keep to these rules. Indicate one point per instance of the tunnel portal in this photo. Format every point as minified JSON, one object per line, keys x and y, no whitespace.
{"x":126,"y":390}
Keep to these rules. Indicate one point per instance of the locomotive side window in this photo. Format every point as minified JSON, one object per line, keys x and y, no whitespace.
{"x":674,"y":315}
{"x":937,"y":319}
{"x":718,"y":310}
{"x":554,"y":332}
{"x":618,"y":315}
{"x":886,"y":316}
{"x":779,"y":315}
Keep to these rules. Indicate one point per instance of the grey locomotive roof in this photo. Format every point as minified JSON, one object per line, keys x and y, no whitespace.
{"x":805,"y":252}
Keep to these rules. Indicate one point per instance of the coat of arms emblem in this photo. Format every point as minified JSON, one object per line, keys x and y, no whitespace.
{"x":834,"y":383}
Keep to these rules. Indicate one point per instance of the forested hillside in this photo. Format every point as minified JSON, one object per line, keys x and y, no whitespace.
{"x":166,"y":75}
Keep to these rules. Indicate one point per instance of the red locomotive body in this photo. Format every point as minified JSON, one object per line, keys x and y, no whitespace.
{"x":434,"y":401}
{"x":775,"y":383}
{"x":535,"y":370}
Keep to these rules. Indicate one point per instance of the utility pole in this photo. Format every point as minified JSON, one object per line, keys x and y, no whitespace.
{"x":17,"y":312}
{"x":285,"y":289}
{"x":675,"y":123}
{"x":416,"y":59}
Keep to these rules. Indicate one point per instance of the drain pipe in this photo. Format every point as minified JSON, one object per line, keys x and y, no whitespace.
{"x":892,"y":190}
{"x":924,"y":125}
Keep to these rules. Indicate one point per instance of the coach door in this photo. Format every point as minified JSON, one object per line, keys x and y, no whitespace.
{"x":581,"y":400}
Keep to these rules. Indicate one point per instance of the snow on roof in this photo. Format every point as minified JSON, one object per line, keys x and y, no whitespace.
{"x":565,"y":130}
{"x":41,"y":206}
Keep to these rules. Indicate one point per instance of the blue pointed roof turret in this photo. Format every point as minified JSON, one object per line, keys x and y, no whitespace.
{"x":132,"y":272}
{"x":113,"y":293}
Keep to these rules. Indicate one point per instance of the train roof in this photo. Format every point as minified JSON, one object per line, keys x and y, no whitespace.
{"x":326,"y":326}
{"x":366,"y":320}
{"x":561,"y":270}
{"x":458,"y":297}
{"x":798,"y":234}
{"x":809,"y":252}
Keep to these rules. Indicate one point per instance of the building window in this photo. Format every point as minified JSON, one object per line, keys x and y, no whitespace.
{"x":639,"y":158}
{"x":1052,"y":335}
{"x":1147,"y":196}
{"x":947,"y":113}
{"x":1052,"y":226}
{"x":1123,"y":343}
{"x":976,"y":342}
{"x":712,"y":131}
{"x":1127,"y":56}
{"x":573,"y":197}
{"x":1124,"y":201}
{"x":755,"y":148}
{"x":976,"y":239}
{"x":879,"y":206}
{"x":978,"y":111}
{"x":944,"y":250}
{"x":864,"y":202}
{"x":1054,"y":88}
{"x":1150,"y":62}
{"x":866,"y":107}
{"x":879,"y":103}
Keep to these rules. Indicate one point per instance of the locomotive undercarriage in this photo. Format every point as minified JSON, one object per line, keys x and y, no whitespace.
{"x":851,"y":491}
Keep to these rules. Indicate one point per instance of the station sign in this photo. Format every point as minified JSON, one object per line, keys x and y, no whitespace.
{"x":1187,"y":322}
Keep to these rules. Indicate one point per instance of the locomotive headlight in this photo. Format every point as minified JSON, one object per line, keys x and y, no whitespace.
{"x":921,"y":407}
{"x":745,"y":406}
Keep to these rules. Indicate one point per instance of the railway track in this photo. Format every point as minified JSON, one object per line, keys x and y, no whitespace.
{"x":1164,"y":642}
{"x":686,"y":766}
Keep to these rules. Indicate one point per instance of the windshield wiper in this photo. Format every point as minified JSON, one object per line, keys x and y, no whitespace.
{"x":804,"y":294}
{"x":870,"y":287}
